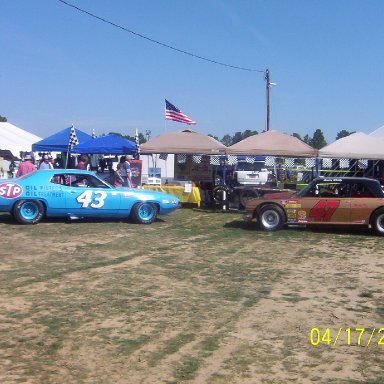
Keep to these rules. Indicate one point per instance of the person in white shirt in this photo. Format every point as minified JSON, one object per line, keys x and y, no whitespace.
{"x":125,"y":171}
{"x":46,"y":163}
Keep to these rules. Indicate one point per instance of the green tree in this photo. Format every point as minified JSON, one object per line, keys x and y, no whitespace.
{"x":248,"y":133}
{"x":297,"y":136}
{"x":318,"y":140}
{"x":307,"y":139}
{"x":238,"y":136}
{"x":3,"y":119}
{"x":227,"y":140}
{"x":213,"y":136}
{"x":343,"y":133}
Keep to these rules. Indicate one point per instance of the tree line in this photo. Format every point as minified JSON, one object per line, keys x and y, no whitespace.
{"x":316,"y":141}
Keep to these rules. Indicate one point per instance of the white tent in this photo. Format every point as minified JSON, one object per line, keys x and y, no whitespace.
{"x":16,"y":139}
{"x":358,"y":145}
{"x":379,"y":133}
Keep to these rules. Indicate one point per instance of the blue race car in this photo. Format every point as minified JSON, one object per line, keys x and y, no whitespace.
{"x":74,"y":193}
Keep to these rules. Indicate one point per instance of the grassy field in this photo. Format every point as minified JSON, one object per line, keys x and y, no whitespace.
{"x":196,"y":297}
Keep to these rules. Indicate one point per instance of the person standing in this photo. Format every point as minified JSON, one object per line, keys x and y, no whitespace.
{"x":26,"y":166}
{"x":46,"y":163}
{"x":83,"y":163}
{"x":125,"y":171}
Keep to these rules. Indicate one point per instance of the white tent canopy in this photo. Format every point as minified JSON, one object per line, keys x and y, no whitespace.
{"x":379,"y":133}
{"x":16,"y":139}
{"x":358,"y":145}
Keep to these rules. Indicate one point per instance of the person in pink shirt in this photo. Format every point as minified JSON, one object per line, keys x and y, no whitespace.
{"x":83,"y":163}
{"x":26,"y":166}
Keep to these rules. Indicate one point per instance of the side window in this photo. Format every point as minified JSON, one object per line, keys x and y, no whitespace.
{"x":361,"y":190}
{"x":59,"y":179}
{"x":94,"y":182}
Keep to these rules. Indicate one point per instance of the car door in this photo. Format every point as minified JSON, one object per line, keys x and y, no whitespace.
{"x":84,"y":197}
{"x":363,"y":203}
{"x":328,"y":204}
{"x":324,"y":210}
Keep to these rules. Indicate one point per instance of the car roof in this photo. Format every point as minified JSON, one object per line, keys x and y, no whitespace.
{"x":347,"y":178}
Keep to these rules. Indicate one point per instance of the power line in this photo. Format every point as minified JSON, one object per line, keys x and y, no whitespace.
{"x":156,"y":41}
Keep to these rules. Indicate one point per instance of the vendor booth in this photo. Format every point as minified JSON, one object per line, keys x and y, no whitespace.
{"x":186,"y":193}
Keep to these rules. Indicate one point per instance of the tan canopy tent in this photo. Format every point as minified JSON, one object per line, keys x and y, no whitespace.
{"x":358,"y":145}
{"x":272,"y":143}
{"x":186,"y":141}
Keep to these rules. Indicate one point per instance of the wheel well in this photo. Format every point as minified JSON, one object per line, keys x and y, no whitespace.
{"x":374,"y":212}
{"x":259,"y":207}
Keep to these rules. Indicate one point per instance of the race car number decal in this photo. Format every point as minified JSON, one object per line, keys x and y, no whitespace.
{"x":10,"y":190}
{"x":324,"y":210}
{"x":94,"y":199}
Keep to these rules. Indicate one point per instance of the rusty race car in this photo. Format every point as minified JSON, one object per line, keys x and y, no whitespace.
{"x":332,"y":201}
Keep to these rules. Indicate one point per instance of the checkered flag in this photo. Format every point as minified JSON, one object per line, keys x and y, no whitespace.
{"x":196,"y":159}
{"x":181,"y":158}
{"x":270,"y":161}
{"x":327,"y":163}
{"x":137,"y":151}
{"x":215,"y":160}
{"x":72,"y":139}
{"x":344,"y":163}
{"x":289,"y":162}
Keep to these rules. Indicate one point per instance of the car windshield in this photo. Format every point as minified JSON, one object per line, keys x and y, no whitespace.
{"x":249,"y":167}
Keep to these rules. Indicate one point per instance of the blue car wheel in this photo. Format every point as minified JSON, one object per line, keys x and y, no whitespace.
{"x":144,"y":213}
{"x":28,"y":211}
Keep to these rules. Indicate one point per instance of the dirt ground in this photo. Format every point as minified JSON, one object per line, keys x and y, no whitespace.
{"x":196,"y":297}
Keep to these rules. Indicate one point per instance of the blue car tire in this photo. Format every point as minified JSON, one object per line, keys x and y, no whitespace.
{"x":144,"y":213}
{"x":28,"y":211}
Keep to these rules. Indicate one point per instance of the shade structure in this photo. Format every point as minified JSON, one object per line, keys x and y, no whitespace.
{"x":272,"y":143}
{"x":109,"y":144}
{"x":59,"y":141}
{"x":186,"y":141}
{"x":379,"y":133}
{"x":15,"y":139}
{"x":358,"y":145}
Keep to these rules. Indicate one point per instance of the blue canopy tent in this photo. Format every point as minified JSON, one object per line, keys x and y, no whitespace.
{"x":110,"y":144}
{"x":59,"y":141}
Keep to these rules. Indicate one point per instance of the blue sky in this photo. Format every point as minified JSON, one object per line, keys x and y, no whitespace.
{"x":60,"y":67}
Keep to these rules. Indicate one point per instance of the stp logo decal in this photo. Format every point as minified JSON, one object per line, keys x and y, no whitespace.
{"x":10,"y":190}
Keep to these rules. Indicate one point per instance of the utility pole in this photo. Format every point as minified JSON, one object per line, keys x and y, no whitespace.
{"x":268,"y":85}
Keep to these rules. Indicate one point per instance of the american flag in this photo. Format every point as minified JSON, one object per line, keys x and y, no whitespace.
{"x":174,"y":113}
{"x":72,"y":139}
{"x":137,"y":153}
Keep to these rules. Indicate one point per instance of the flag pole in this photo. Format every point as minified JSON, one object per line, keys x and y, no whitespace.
{"x":67,"y":155}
